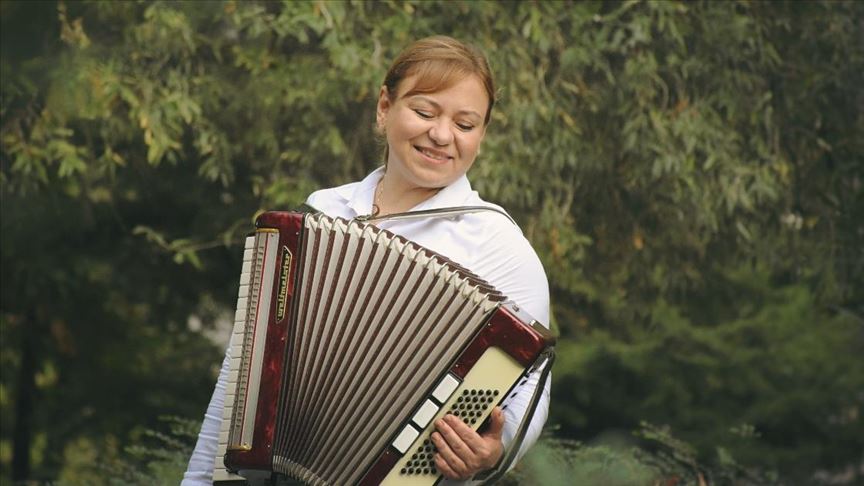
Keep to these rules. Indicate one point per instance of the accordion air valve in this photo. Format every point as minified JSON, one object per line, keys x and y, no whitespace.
{"x":349,"y":342}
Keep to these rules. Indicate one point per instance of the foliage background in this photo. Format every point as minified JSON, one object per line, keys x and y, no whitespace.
{"x":689,"y":173}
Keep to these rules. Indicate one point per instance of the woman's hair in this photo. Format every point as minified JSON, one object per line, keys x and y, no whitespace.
{"x":438,"y":62}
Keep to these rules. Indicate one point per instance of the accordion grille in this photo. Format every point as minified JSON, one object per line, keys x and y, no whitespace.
{"x":376,"y":316}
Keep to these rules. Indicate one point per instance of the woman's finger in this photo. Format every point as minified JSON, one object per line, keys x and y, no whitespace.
{"x":454,"y":463}
{"x":445,"y":468}
{"x":466,"y":434}
{"x":446,"y":427}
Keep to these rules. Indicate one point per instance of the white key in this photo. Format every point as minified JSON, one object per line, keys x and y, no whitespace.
{"x":243,"y":291}
{"x":237,"y":333}
{"x":226,"y":426}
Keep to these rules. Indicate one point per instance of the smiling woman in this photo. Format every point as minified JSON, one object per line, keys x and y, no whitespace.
{"x":432,"y":140}
{"x":433,"y":109}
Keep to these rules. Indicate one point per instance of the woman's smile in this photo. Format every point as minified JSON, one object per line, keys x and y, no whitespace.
{"x":432,"y":155}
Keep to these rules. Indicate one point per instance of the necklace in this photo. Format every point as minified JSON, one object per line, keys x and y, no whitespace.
{"x":376,"y":201}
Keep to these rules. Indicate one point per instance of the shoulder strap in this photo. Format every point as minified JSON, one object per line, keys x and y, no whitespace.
{"x":433,"y":213}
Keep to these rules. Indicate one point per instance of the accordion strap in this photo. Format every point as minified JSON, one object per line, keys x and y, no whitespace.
{"x":433,"y":213}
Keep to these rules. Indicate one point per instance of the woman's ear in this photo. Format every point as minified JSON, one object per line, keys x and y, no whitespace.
{"x":382,"y":109}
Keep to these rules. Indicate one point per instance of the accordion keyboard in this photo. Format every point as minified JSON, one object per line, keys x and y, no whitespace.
{"x":258,"y":252}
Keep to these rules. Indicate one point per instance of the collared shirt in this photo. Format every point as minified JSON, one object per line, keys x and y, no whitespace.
{"x":485,"y":242}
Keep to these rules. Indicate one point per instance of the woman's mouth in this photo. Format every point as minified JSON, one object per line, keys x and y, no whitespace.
{"x":434,"y":155}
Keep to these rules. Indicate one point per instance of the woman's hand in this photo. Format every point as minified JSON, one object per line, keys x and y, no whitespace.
{"x":462,"y":452}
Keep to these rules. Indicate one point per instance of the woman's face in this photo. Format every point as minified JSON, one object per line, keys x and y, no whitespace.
{"x":433,"y":138}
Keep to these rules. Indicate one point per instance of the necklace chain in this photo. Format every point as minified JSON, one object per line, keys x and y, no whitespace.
{"x":376,"y":201}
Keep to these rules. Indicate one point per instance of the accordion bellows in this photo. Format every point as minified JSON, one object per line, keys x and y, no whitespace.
{"x":350,"y":341}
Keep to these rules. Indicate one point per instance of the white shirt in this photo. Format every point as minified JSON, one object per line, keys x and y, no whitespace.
{"x":486,"y":243}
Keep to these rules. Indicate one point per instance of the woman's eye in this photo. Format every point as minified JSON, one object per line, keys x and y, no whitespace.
{"x":465,"y":127}
{"x":423,"y":114}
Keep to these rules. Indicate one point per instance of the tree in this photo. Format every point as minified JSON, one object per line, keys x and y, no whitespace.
{"x":689,"y":173}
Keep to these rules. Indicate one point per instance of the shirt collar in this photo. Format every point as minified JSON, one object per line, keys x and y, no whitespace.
{"x":361,"y":195}
{"x":456,"y":194}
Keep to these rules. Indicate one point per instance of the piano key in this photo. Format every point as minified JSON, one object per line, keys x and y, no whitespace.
{"x":243,"y":291}
{"x":225,"y":426}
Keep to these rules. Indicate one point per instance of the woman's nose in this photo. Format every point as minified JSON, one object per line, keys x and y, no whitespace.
{"x":440,"y":133}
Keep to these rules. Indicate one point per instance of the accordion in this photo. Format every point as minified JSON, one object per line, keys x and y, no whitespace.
{"x":349,"y":342}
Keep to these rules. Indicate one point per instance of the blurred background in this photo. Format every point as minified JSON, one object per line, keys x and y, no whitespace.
{"x":689,"y":173}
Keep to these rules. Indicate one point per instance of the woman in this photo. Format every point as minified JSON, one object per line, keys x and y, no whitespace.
{"x":433,"y":110}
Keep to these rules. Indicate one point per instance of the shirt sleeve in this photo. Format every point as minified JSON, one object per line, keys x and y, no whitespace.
{"x":315,"y":199}
{"x":199,"y":472}
{"x":516,"y":409}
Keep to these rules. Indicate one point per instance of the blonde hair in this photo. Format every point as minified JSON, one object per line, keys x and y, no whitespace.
{"x":438,"y":62}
